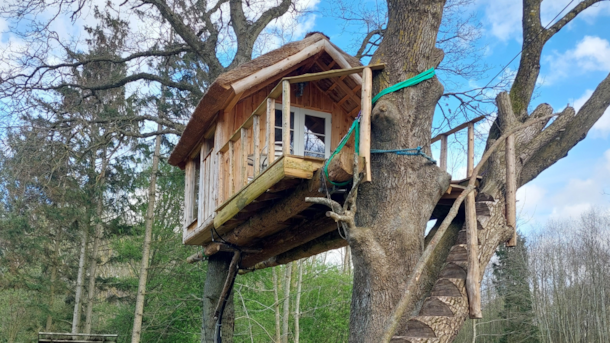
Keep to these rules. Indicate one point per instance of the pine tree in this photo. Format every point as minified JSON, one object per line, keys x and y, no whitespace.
{"x":512,"y":284}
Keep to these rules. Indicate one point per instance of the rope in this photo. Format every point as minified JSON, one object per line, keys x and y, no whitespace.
{"x":408,"y":152}
{"x":428,"y":74}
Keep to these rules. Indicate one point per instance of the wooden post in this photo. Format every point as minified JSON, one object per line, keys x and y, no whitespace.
{"x":256,"y":127}
{"x":470,"y":163}
{"x":444,"y":152}
{"x":270,"y":131}
{"x":244,"y":156}
{"x":189,"y":191}
{"x":231,"y":169}
{"x":365,"y":121}
{"x":511,"y":190}
{"x":473,"y":284}
{"x":202,"y":183}
{"x":286,"y":118}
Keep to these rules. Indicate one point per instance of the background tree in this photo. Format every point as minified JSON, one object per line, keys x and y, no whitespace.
{"x":512,"y":281}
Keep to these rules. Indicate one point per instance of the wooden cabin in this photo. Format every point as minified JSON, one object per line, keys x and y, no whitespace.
{"x":254,"y":148}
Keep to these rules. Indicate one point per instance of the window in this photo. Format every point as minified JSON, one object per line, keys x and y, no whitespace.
{"x":313,"y":128}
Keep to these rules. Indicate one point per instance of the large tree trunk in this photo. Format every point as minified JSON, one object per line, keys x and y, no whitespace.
{"x":150,"y":218}
{"x":80,"y":277}
{"x":218,"y":268}
{"x":393,"y":210}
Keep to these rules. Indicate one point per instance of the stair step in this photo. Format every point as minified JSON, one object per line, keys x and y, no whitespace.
{"x":434,"y":307}
{"x":458,"y":253}
{"x":461,"y":238}
{"x":446,"y":288}
{"x":415,"y":328}
{"x":453,"y":271}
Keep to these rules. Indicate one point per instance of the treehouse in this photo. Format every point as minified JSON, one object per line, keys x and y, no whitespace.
{"x":255,"y":146}
{"x":267,"y":135}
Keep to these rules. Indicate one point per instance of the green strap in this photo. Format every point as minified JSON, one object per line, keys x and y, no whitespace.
{"x":428,"y":74}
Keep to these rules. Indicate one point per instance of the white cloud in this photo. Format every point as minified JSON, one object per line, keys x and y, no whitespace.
{"x":590,"y":54}
{"x":602,"y":127}
{"x":569,"y":199}
{"x":503,"y":17}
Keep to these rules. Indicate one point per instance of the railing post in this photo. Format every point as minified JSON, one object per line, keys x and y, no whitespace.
{"x":201,"y":209}
{"x":244,"y":156}
{"x":443,"y":152}
{"x":473,"y":285}
{"x":256,"y":141}
{"x":231,"y":169}
{"x":286,"y":117}
{"x":511,"y":190}
{"x":365,"y":122}
{"x":270,"y":131}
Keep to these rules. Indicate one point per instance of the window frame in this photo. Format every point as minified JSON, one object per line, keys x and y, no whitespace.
{"x":299,"y":127}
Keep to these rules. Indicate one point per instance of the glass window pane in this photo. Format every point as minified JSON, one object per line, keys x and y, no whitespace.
{"x":314,"y":124}
{"x":278,"y":141}
{"x":278,"y":119}
{"x":314,"y":145}
{"x":314,"y":141}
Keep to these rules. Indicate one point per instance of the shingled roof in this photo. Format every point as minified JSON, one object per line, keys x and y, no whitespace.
{"x":226,"y":86}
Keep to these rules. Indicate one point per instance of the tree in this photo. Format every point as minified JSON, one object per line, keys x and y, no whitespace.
{"x":386,"y":236}
{"x":512,"y":280}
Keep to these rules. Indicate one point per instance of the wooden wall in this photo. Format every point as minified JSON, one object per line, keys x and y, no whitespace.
{"x":230,"y":121}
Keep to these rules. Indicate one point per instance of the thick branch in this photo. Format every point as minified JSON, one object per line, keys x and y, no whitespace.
{"x":568,"y":17}
{"x":567,"y":133}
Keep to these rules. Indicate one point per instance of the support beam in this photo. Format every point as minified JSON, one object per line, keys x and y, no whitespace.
{"x":286,"y":117}
{"x":365,"y":122}
{"x":444,"y":152}
{"x":270,"y":131}
{"x":511,"y":189}
{"x":319,"y":245}
{"x":473,"y":284}
{"x":290,"y":238}
{"x":272,"y":219}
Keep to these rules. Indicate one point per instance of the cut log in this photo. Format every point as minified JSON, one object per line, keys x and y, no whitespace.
{"x":341,"y":167}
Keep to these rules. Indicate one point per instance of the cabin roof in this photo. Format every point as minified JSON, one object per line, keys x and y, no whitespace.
{"x":230,"y":84}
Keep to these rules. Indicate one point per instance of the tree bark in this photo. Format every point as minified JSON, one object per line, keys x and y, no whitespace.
{"x":393,"y":210}
{"x":150,"y":218}
{"x":286,"y":310}
{"x":79,"y":281}
{"x":218,"y":268}
{"x":97,"y":236}
{"x":276,"y":307}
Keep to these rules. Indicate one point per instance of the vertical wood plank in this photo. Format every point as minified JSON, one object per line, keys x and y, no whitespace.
{"x":286,"y":118}
{"x":365,"y":121}
{"x":231,"y":169}
{"x":473,"y":284}
{"x":256,"y":139}
{"x":189,"y":190}
{"x":444,"y":152}
{"x":203,"y":184}
{"x":511,"y":189}
{"x":470,"y":162}
{"x":270,"y":131}
{"x":244,"y":157}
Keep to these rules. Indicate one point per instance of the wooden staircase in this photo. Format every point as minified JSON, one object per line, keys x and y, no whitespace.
{"x":447,"y":299}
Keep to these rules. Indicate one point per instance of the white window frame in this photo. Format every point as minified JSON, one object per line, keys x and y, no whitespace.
{"x":299,"y":128}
